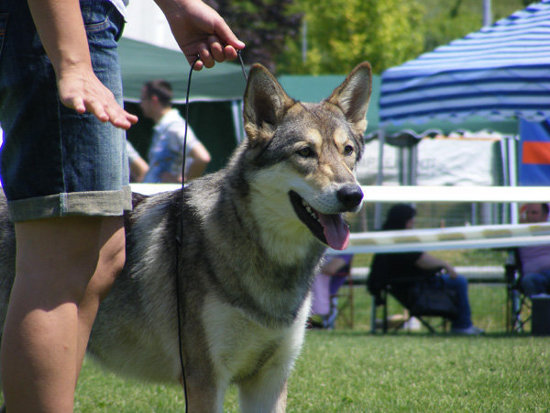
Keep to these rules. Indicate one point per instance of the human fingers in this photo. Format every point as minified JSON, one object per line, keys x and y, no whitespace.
{"x":110,"y":111}
{"x":205,"y":55}
{"x":216,"y":49}
{"x":224,"y":33}
{"x":230,"y":53}
{"x":121,"y":118}
{"x":76,"y":103}
{"x":194,"y":61}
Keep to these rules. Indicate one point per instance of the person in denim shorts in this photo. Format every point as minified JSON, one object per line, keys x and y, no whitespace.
{"x":64,"y":172}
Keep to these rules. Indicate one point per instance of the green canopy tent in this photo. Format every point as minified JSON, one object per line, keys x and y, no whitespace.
{"x":141,"y":62}
{"x":316,"y":88}
{"x":215,"y":96}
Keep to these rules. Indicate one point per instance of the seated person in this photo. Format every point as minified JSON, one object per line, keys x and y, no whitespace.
{"x":330,"y":278}
{"x":535,"y":259}
{"x":417,"y":266}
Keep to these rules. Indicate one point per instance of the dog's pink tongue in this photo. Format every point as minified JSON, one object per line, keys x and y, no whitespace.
{"x":336,"y":231}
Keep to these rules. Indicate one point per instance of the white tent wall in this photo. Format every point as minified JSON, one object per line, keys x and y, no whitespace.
{"x":461,"y":162}
{"x":146,"y":23}
{"x":443,"y":161}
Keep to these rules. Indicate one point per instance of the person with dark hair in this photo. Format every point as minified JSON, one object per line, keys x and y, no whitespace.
{"x":166,"y":151}
{"x":535,"y":259}
{"x":416,"y":266}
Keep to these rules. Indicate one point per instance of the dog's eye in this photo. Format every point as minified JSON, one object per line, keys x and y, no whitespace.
{"x":348,"y":150}
{"x":306,"y":152}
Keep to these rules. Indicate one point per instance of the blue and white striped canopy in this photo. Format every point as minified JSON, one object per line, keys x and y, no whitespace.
{"x":499,"y":72}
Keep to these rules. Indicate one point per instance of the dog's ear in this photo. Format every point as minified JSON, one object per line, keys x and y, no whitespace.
{"x":265,"y":102}
{"x":353,"y":96}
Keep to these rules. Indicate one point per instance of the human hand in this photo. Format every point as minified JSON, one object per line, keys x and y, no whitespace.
{"x":451,"y":271}
{"x":200,"y":32}
{"x":81,"y":90}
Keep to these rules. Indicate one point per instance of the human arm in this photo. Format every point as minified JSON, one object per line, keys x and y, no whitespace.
{"x":429,"y":262}
{"x":138,"y":169}
{"x":61,"y":29}
{"x":201,"y":159}
{"x":200,"y":31}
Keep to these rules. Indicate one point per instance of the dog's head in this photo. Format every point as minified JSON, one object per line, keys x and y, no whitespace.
{"x":305,"y":153}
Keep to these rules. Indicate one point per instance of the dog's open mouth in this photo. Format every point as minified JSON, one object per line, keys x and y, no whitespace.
{"x":330,"y":229}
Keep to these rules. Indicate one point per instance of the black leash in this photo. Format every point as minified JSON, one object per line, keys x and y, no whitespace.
{"x":179,"y":235}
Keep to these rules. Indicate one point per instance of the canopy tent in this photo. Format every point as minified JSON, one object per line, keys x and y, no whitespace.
{"x":492,"y":77}
{"x":316,"y":88}
{"x":142,"y":61}
{"x":499,"y":73}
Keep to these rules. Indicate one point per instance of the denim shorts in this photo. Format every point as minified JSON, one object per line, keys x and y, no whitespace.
{"x":55,"y":162}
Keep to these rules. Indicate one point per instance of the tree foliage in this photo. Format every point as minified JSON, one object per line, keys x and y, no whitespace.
{"x":263,"y":25}
{"x":342,"y":33}
{"x":446,"y":21}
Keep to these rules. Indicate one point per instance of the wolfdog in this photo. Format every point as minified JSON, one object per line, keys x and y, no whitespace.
{"x":253,"y":235}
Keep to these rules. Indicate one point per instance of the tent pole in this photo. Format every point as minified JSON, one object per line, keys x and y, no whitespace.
{"x":237,"y":124}
{"x":379,"y":177}
{"x":512,"y":159}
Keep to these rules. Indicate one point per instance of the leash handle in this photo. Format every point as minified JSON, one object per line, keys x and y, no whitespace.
{"x":179,"y":238}
{"x":179,"y":231}
{"x":239,"y":54}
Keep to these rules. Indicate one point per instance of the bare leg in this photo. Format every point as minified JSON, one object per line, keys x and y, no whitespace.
{"x":111,"y":261}
{"x":51,"y":307}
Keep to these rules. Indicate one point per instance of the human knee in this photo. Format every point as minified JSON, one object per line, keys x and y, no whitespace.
{"x":462,"y":281}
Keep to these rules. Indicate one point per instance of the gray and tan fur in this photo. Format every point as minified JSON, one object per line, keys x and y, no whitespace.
{"x":247,"y":257}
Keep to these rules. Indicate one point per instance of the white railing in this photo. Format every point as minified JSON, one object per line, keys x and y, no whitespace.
{"x":487,"y":236}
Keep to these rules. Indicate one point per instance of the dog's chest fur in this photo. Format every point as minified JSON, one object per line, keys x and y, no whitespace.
{"x":240,"y":346}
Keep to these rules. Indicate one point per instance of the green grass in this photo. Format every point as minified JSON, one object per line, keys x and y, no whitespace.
{"x":354,"y":371}
{"x":347,"y":371}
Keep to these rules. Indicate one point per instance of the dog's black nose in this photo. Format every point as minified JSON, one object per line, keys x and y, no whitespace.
{"x":350,"y":196}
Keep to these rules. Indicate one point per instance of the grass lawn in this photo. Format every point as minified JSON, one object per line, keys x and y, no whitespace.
{"x":355,"y":371}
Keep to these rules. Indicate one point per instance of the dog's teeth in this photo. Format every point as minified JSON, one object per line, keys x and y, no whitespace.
{"x":310,"y":210}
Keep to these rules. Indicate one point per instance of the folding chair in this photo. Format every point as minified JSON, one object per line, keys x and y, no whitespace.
{"x":518,"y":305}
{"x":396,"y":290}
{"x":341,"y":297}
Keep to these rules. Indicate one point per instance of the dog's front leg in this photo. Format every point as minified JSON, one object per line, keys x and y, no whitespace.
{"x":267,"y":395}
{"x":202,"y":396}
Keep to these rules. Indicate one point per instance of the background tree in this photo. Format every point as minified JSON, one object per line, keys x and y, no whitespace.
{"x":450,"y":20}
{"x":263,"y":25}
{"x":342,"y":33}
